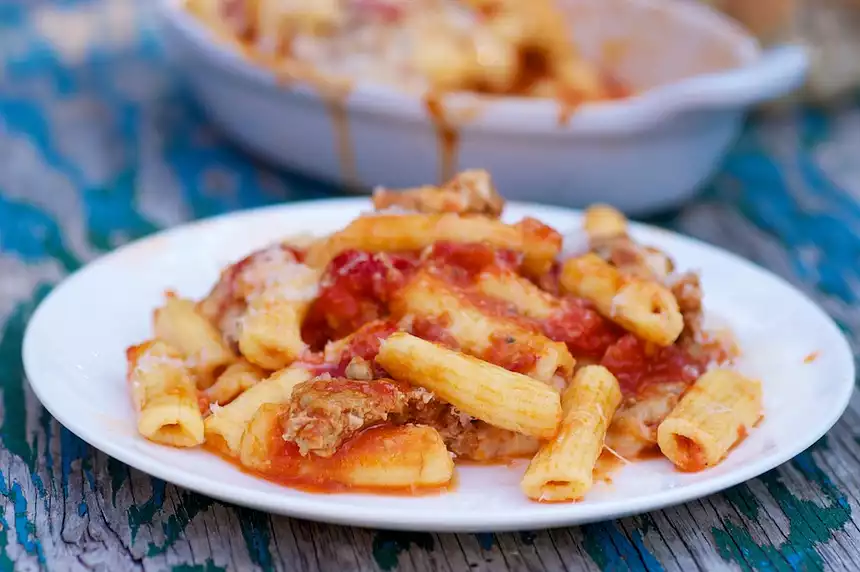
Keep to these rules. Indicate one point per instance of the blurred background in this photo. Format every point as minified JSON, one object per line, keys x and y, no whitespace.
{"x":93,"y":119}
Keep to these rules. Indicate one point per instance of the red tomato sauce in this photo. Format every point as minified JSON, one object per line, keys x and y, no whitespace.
{"x":461,"y":263}
{"x":510,"y":353}
{"x":585,"y":332}
{"x":363,"y":343}
{"x":636,"y":364}
{"x":356,"y":287}
{"x":317,"y":474}
{"x":434,"y":331}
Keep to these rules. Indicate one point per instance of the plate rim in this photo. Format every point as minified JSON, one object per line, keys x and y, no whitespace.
{"x":388,"y":518}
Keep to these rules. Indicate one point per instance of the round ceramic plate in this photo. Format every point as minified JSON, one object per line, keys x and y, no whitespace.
{"x":75,"y":361}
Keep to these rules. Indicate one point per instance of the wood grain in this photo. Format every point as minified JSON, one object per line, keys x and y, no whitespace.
{"x":90,"y":159}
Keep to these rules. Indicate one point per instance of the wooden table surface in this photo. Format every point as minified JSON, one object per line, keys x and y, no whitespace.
{"x":97,"y":147}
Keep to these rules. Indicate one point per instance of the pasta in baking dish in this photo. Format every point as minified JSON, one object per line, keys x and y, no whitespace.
{"x":428,"y":332}
{"x":501,"y":47}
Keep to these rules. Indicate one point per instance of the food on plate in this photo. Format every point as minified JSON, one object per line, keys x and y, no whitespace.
{"x":499,"y":47}
{"x":430,"y":332}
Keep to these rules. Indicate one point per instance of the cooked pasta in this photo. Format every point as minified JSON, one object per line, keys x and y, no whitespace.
{"x":506,"y":48}
{"x":644,"y":307}
{"x":474,"y":331}
{"x":164,"y":395}
{"x":562,"y":469}
{"x":375,"y":357}
{"x":237,"y":378}
{"x":270,"y":332}
{"x":719,"y":410}
{"x":224,"y":428}
{"x":180,"y":325}
{"x":482,"y":390}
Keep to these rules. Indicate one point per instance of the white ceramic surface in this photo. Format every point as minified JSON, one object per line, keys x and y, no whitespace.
{"x":698,"y":75}
{"x":74,"y":359}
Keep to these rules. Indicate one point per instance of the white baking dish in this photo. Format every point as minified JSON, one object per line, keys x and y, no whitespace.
{"x":696,"y":76}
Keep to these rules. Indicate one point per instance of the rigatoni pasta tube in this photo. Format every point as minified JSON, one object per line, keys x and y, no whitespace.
{"x":643,"y":307}
{"x":603,"y":221}
{"x":521,"y":293}
{"x":562,"y":469}
{"x":224,"y":428}
{"x":487,"y":392}
{"x":270,"y":333}
{"x":237,"y":378}
{"x":475,"y":331}
{"x":388,"y":233}
{"x":257,"y":444}
{"x":716,"y":412}
{"x":164,"y":395}
{"x":385,"y":457}
{"x":633,"y":430}
{"x":180,"y":324}
{"x":404,"y":456}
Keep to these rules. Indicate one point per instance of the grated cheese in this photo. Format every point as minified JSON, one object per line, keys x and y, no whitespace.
{"x":393,"y":210}
{"x":575,"y":243}
{"x":276,"y":274}
{"x":348,"y":267}
{"x":406,"y":323}
{"x":147,"y":362}
{"x":622,"y":297}
{"x":422,"y":394}
{"x":616,"y":454}
{"x":657,"y":264}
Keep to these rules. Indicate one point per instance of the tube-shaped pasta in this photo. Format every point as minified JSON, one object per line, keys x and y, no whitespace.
{"x":603,"y":221}
{"x":525,"y":296}
{"x":409,"y":232}
{"x":224,"y":428}
{"x":480,"y":389}
{"x":257,"y":445}
{"x":180,"y":325}
{"x":715,"y":413}
{"x":164,"y":395}
{"x":475,"y":331}
{"x":207,"y":10}
{"x":236,"y":379}
{"x":633,"y":431}
{"x":384,"y":457}
{"x":271,"y":330}
{"x":562,"y":469}
{"x":643,"y":307}
{"x":405,"y":456}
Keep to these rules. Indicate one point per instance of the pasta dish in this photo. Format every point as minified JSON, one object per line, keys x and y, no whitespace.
{"x":429,"y":332}
{"x":500,"y":47}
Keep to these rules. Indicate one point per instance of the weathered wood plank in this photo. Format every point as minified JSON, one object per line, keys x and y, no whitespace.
{"x":142,"y":158}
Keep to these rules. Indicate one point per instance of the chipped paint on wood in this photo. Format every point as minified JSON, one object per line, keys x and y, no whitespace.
{"x":143,"y":157}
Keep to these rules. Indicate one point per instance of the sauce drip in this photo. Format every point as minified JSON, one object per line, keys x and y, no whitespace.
{"x":447,"y":137}
{"x":335,"y":98}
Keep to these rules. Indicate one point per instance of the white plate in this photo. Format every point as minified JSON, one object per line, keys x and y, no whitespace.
{"x":74,"y":358}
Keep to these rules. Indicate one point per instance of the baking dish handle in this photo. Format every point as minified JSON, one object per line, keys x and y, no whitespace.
{"x":778,"y":72}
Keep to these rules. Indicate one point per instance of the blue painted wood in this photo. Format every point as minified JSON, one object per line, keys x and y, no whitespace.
{"x":98,"y":146}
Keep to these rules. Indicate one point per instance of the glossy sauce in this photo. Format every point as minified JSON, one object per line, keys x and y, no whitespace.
{"x":447,"y":137}
{"x":336,"y":102}
{"x":811,"y":357}
{"x":355,"y":289}
{"x":326,"y":474}
{"x":568,"y":104}
{"x":637,"y":364}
